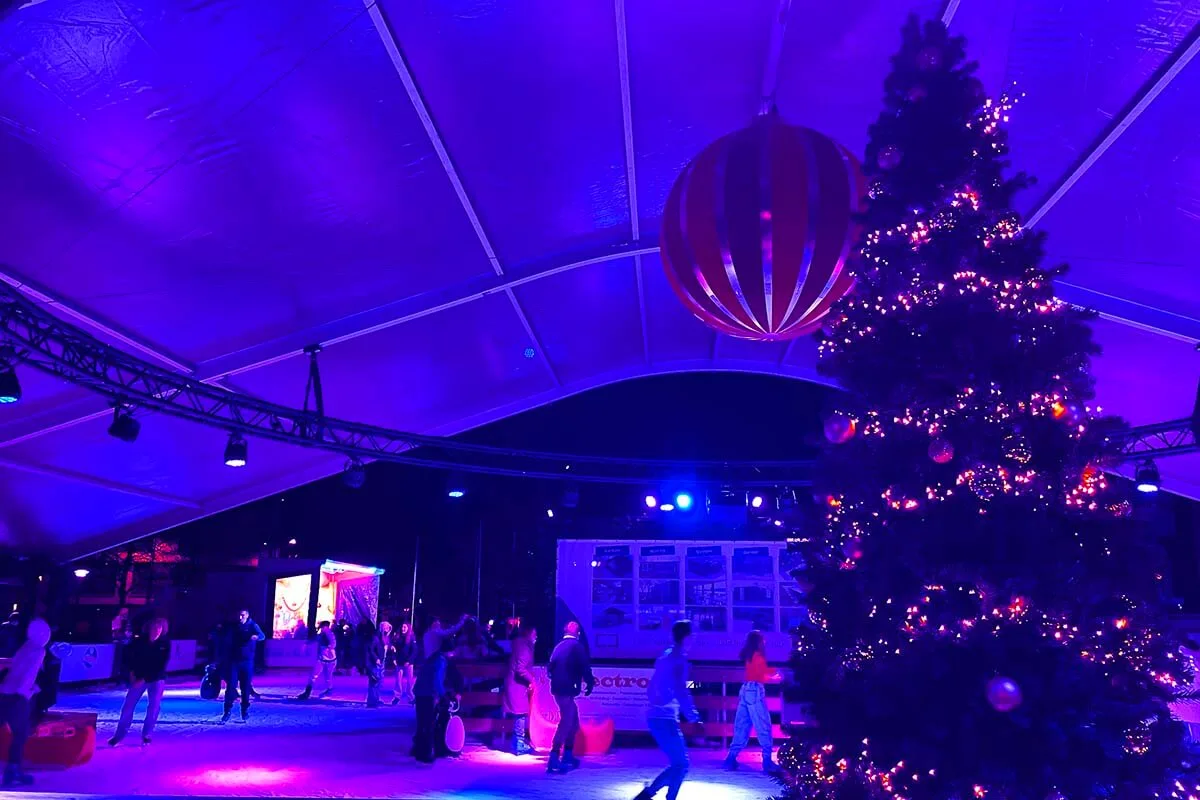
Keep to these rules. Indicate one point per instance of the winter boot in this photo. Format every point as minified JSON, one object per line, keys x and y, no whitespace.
{"x":569,"y":761}
{"x":15,"y":776}
{"x":554,"y":764}
{"x":644,"y":794}
{"x":307,"y":693}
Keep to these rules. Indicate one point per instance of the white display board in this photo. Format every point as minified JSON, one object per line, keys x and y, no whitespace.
{"x":627,"y":593}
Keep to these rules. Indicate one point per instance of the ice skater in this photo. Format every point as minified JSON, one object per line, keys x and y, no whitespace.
{"x":570,"y":672}
{"x":15,"y":690}
{"x":374,"y":657}
{"x":518,"y":686}
{"x":404,"y":645}
{"x":752,"y":703}
{"x":430,"y":692}
{"x":244,"y":638}
{"x":668,"y":696}
{"x":326,"y":662}
{"x":148,"y":657}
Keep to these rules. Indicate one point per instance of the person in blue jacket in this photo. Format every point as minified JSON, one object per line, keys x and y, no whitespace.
{"x":669,"y":697}
{"x":244,"y":636}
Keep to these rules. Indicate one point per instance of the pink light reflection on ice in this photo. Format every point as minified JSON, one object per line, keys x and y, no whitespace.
{"x":245,"y":776}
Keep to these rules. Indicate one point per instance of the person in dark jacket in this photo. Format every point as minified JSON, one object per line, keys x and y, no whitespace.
{"x":570,"y":673}
{"x":518,"y":685}
{"x":244,"y":636}
{"x":430,"y":691}
{"x":148,"y":657}
{"x":404,"y":645}
{"x":376,"y":650}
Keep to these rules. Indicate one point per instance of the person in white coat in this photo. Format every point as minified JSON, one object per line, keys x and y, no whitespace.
{"x":18,"y":686}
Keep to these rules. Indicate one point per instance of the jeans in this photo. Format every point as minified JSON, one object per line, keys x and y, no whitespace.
{"x":520,"y":727}
{"x":238,"y":674}
{"x":669,"y":736}
{"x":404,"y":680}
{"x":323,"y":672}
{"x":423,"y":739}
{"x":14,"y":709}
{"x":568,"y":723}
{"x":374,"y":678}
{"x":752,"y":712}
{"x":155,"y":690}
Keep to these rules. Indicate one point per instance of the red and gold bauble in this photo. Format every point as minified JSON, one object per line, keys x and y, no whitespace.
{"x":839,"y":428}
{"x":941,"y":451}
{"x":758,"y":229}
{"x":1003,"y":693}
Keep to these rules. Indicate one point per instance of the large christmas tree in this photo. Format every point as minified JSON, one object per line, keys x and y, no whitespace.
{"x":987,"y":619}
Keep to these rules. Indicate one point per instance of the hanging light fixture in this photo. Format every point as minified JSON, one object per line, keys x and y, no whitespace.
{"x":124,"y":426}
{"x":235,"y":451}
{"x":10,"y":387}
{"x":1146,"y":477}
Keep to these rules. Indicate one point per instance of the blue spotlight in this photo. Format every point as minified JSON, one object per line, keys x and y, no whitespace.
{"x":683,"y":501}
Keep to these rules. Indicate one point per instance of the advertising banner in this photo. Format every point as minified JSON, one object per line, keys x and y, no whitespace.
{"x":627,"y":594}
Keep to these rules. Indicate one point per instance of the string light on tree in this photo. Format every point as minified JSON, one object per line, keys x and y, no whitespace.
{"x":975,"y":554}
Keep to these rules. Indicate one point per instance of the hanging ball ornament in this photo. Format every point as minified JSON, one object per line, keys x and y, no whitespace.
{"x":985,"y":481}
{"x":941,"y":451}
{"x":839,"y":428}
{"x":1016,"y":449}
{"x":1003,"y":693}
{"x":889,"y":157}
{"x":929,"y":58}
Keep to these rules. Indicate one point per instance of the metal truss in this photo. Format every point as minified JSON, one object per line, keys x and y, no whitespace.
{"x":1161,"y":439}
{"x":31,"y":334}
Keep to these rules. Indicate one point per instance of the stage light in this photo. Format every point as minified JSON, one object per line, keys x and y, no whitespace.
{"x":756,"y":501}
{"x":292,"y":542}
{"x":456,"y":486}
{"x":550,"y":513}
{"x":778,"y":523}
{"x":455,"y":493}
{"x":236,"y":451}
{"x":651,"y":501}
{"x":570,"y":496}
{"x":354,"y":474}
{"x":124,"y":426}
{"x":81,"y":573}
{"x":683,"y":501}
{"x":10,"y":387}
{"x":1146,"y":477}
{"x":667,"y":507}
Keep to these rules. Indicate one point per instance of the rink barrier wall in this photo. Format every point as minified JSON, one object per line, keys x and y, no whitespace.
{"x":715,"y":694}
{"x":93,"y":663}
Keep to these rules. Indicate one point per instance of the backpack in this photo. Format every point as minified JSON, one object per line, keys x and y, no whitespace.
{"x":210,"y":685}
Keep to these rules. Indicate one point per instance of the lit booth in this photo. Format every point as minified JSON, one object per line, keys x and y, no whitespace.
{"x":333,"y":591}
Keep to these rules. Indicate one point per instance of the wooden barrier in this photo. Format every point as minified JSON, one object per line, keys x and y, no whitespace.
{"x":718,"y":709}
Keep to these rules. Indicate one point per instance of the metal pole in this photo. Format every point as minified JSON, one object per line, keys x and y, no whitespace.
{"x":479,"y":572}
{"x":412,"y":612}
